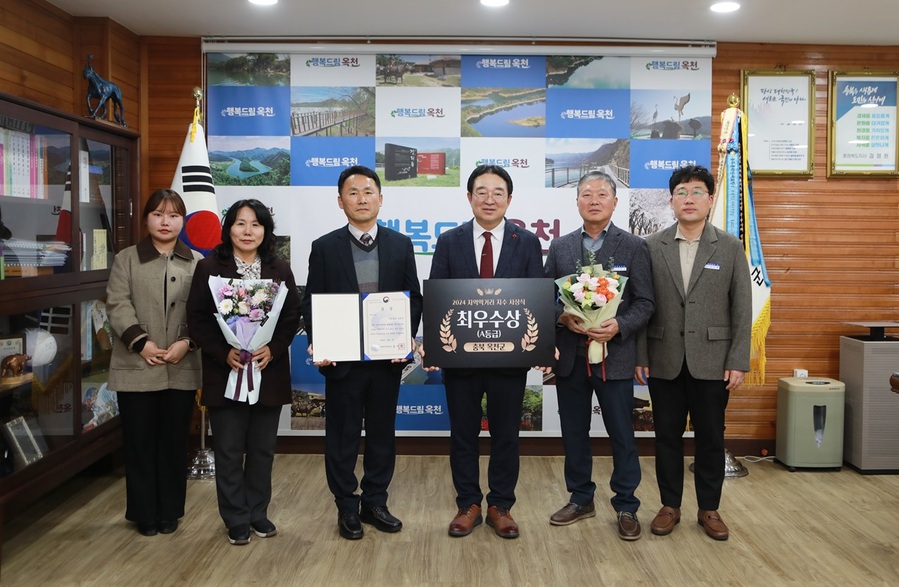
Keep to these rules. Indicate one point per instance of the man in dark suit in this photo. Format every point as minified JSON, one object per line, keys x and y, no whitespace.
{"x":695,"y":349}
{"x":487,"y":246}
{"x":613,"y":380}
{"x":361,"y":257}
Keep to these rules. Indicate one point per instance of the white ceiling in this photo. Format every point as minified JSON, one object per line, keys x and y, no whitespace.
{"x":853,"y":22}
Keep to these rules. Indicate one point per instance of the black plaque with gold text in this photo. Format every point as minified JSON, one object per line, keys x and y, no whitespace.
{"x":473,"y":323}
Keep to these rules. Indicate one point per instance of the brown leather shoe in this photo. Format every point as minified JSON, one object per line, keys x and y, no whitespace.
{"x":465,"y":521}
{"x":665,"y":521}
{"x":713,"y":525}
{"x":628,"y":526}
{"x":571,"y":513}
{"x":501,"y":521}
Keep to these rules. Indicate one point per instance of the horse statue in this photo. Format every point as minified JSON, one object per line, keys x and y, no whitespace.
{"x":103,"y":90}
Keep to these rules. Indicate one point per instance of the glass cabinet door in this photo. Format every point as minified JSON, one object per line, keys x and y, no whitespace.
{"x":35,"y":208}
{"x":96,"y":168}
{"x":99,"y":404}
{"x":37,"y":397}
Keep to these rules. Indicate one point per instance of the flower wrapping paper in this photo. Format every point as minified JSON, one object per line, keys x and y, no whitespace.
{"x":592,"y":316}
{"x":245,"y":333}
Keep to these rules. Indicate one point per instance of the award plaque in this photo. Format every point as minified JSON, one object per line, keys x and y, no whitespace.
{"x":489,"y":322}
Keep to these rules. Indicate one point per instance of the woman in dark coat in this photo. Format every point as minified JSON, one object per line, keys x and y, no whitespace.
{"x":244,"y":487}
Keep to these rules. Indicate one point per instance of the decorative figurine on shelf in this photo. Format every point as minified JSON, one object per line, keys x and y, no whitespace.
{"x":13,"y":365}
{"x":103,"y":90}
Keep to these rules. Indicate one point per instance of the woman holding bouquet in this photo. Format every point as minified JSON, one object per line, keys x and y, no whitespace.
{"x":244,"y":486}
{"x":152,"y":369}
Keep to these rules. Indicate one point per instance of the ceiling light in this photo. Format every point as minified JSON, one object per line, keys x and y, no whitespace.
{"x":494,"y":3}
{"x":264,"y":2}
{"x":725,"y":7}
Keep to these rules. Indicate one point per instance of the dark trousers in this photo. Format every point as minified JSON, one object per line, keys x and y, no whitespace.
{"x":705,"y":401}
{"x":244,"y":438}
{"x":155,"y":427}
{"x":505,"y":393}
{"x":616,"y":401}
{"x":368,"y":394}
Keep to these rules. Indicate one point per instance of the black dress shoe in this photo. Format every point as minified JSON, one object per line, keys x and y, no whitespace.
{"x":239,"y":534}
{"x":168,"y":526}
{"x":263,"y":528}
{"x":349,"y":525}
{"x":381,"y":518}
{"x":147,"y":528}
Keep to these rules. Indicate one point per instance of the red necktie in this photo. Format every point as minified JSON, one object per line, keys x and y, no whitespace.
{"x":487,"y":257}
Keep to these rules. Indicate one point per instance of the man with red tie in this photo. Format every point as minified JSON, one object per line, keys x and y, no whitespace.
{"x":487,"y":246}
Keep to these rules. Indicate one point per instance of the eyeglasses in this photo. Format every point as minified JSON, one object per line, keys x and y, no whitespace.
{"x":498,"y":197}
{"x":682,"y":193}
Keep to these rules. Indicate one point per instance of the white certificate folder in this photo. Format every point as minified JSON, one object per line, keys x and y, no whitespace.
{"x":361,"y":327}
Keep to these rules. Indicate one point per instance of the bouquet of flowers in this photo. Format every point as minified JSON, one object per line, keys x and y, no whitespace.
{"x":593,"y":295}
{"x":248,"y":311}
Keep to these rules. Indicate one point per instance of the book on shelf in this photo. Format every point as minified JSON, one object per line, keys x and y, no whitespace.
{"x":24,"y":252}
{"x":23,"y":164}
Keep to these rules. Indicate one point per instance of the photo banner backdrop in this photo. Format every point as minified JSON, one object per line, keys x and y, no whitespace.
{"x":282,"y":126}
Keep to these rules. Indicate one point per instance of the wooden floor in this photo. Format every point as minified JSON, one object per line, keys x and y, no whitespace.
{"x":802,"y":528}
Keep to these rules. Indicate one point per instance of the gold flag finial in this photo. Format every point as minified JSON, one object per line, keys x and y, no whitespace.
{"x":198,"y":95}
{"x":733,"y":101}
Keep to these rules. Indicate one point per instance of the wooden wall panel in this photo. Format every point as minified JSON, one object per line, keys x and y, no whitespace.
{"x":124,"y":58}
{"x":36,"y":52}
{"x":171,"y":67}
{"x":831,"y":245}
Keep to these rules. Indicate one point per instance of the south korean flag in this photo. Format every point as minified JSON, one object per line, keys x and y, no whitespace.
{"x":193,"y":180}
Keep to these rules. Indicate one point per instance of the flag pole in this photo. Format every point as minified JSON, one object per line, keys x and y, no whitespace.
{"x":202,"y":466}
{"x":733,"y":211}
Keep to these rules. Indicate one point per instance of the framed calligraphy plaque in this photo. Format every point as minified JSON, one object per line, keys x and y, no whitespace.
{"x":863,"y":123}
{"x":780,"y":108}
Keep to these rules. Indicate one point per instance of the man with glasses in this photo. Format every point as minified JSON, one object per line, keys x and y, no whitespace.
{"x":695,"y":349}
{"x":613,"y":381}
{"x":488,"y":246}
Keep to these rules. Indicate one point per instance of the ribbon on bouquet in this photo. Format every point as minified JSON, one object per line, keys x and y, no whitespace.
{"x":603,"y":363}
{"x":246,"y":357}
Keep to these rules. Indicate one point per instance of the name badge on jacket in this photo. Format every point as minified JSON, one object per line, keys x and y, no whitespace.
{"x":619,"y":268}
{"x":713,"y":266}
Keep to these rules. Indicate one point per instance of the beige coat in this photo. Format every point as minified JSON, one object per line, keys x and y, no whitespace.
{"x":147,"y":298}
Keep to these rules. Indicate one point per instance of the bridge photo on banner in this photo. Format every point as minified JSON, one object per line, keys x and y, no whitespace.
{"x":282,"y":126}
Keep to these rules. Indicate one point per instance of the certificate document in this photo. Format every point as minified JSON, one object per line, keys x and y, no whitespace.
{"x":386,"y":325}
{"x":361,"y":327}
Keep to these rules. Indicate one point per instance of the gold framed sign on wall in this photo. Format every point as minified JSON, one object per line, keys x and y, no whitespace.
{"x":862,"y":130}
{"x":780,"y":106}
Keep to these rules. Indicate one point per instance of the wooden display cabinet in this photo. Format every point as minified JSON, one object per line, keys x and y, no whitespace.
{"x":68,"y":200}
